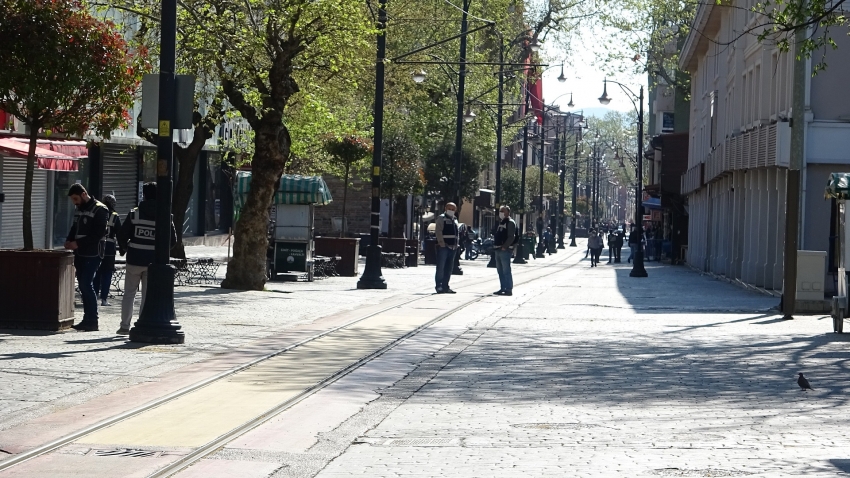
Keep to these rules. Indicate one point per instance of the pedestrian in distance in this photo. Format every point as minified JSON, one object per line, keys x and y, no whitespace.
{"x":468,"y":240}
{"x":504,"y":242}
{"x":612,"y":245}
{"x":634,"y":243}
{"x":595,"y":244}
{"x":87,"y":239}
{"x":446,"y":227}
{"x":138,"y":237}
{"x":103,"y":277}
{"x":618,"y":245}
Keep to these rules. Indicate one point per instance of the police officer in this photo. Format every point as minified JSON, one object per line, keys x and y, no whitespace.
{"x":138,"y":237}
{"x":504,"y":241}
{"x":86,"y":239}
{"x":446,"y":227}
{"x":103,"y":278}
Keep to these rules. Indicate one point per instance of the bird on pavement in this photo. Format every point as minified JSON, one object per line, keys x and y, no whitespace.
{"x":803,"y":383}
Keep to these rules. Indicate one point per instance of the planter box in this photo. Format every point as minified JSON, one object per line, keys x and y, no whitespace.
{"x":36,"y":289}
{"x":348,"y":249}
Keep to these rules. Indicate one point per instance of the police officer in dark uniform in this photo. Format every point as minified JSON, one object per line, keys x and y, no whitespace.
{"x":86,"y":239}
{"x":103,"y":278}
{"x":138,"y":237}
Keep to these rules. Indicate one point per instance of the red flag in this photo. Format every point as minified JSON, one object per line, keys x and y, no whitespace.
{"x":534,"y":83}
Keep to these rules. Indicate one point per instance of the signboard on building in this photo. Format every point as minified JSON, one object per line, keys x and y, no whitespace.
{"x":667,"y":123}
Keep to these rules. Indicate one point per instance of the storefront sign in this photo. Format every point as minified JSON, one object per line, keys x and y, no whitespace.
{"x":290,"y":257}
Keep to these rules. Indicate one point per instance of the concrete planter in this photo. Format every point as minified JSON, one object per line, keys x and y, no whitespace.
{"x":348,"y":249}
{"x":36,"y":289}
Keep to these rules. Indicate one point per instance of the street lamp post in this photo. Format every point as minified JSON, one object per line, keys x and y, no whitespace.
{"x":575,"y":189}
{"x":519,"y":259}
{"x":638,"y":269}
{"x":541,"y":247}
{"x":562,"y":161}
{"x":157,"y":322}
{"x":372,"y":277}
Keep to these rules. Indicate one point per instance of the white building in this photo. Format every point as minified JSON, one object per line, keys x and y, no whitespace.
{"x":740,"y":146}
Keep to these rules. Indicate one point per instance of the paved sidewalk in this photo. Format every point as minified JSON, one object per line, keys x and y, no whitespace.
{"x":43,"y":372}
{"x":599,"y":374}
{"x":590,"y":373}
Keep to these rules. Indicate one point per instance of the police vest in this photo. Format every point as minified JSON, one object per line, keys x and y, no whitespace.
{"x":450,"y":231}
{"x":110,"y":228}
{"x":85,"y":218}
{"x":144,"y":232}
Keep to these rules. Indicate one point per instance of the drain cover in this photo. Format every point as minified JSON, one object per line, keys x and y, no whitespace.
{"x":423,"y":442}
{"x":700,"y":472}
{"x":128,"y":452}
{"x":555,"y":426}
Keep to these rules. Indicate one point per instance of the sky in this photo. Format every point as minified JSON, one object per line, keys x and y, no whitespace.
{"x":584,"y":80}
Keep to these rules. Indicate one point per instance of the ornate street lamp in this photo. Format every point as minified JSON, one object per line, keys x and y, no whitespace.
{"x":638,"y":269}
{"x":419,"y":75}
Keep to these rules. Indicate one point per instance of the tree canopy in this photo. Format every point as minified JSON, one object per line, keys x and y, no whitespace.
{"x":64,"y":71}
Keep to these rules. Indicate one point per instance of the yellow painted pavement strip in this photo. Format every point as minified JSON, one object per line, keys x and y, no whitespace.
{"x":205,"y":414}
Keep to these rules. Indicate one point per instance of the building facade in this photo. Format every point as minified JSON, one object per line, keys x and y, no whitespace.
{"x":739,"y":148}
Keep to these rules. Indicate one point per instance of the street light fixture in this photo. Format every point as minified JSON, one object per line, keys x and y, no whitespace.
{"x":419,"y":75}
{"x":469,"y":116}
{"x":562,"y":78}
{"x":571,"y":104}
{"x":605,"y":99}
{"x":534,"y":46}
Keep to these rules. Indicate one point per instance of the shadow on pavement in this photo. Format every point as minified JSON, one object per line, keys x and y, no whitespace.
{"x":511,"y":365}
{"x":678,"y":288}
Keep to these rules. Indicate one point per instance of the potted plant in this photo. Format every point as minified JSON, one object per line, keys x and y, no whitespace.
{"x":346,"y":152}
{"x":63,"y":71}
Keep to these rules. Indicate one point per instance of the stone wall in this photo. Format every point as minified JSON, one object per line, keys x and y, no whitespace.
{"x":357,"y":210}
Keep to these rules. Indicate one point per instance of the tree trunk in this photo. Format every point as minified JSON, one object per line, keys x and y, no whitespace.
{"x":247,"y":269}
{"x":399,"y":218}
{"x":187,"y":159}
{"x":27,"y":212}
{"x":344,"y":199}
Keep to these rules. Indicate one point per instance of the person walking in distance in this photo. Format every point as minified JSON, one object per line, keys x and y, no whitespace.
{"x":595,"y":244}
{"x":103,"y":278}
{"x":612,"y":246}
{"x":138,"y":237}
{"x":446,"y":228}
{"x":634,"y":243}
{"x":618,"y":246}
{"x":86,"y":239}
{"x":504,"y":241}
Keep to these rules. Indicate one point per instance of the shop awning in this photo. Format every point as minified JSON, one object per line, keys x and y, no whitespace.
{"x":294,"y":189}
{"x":652,"y":203}
{"x":45,"y":157}
{"x":838,"y":186}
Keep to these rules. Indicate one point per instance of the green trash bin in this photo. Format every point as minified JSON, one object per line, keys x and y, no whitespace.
{"x":528,"y":245}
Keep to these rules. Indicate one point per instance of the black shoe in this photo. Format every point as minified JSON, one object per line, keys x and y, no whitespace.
{"x":91,"y":328}
{"x":507,"y":292}
{"x":440,"y":291}
{"x":79,"y":326}
{"x":449,"y":291}
{"x":499,"y":292}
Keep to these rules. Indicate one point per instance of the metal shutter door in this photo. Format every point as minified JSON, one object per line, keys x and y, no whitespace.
{"x":12,"y":235}
{"x":121,"y":175}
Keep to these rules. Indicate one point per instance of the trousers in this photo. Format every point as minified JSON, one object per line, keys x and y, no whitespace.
{"x":133,"y":276}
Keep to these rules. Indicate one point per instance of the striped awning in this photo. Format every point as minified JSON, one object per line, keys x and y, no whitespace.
{"x":294,"y":189}
{"x":838,"y":186}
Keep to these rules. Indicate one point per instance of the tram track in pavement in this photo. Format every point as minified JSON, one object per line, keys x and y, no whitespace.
{"x":133,"y":419}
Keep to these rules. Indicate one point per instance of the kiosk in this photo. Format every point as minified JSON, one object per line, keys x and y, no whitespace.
{"x":290,"y":221}
{"x":838,"y":188}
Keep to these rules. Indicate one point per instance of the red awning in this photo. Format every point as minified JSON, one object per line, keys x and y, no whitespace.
{"x":46,"y":158}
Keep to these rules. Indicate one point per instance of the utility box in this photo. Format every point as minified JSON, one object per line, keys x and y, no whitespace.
{"x":293,"y":237}
{"x":811,"y":270}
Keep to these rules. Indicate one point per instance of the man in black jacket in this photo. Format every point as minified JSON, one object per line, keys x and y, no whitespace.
{"x":86,"y":239}
{"x":137,"y":236}
{"x":504,"y":241}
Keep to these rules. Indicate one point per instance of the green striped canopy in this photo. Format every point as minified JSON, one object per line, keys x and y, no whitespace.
{"x":838,"y":186}
{"x":294,"y":189}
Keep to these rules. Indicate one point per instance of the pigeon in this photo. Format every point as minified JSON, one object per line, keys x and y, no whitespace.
{"x":803,"y":383}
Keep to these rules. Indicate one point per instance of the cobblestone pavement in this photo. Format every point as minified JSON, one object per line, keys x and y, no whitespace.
{"x":43,"y":372}
{"x":592,"y":373}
